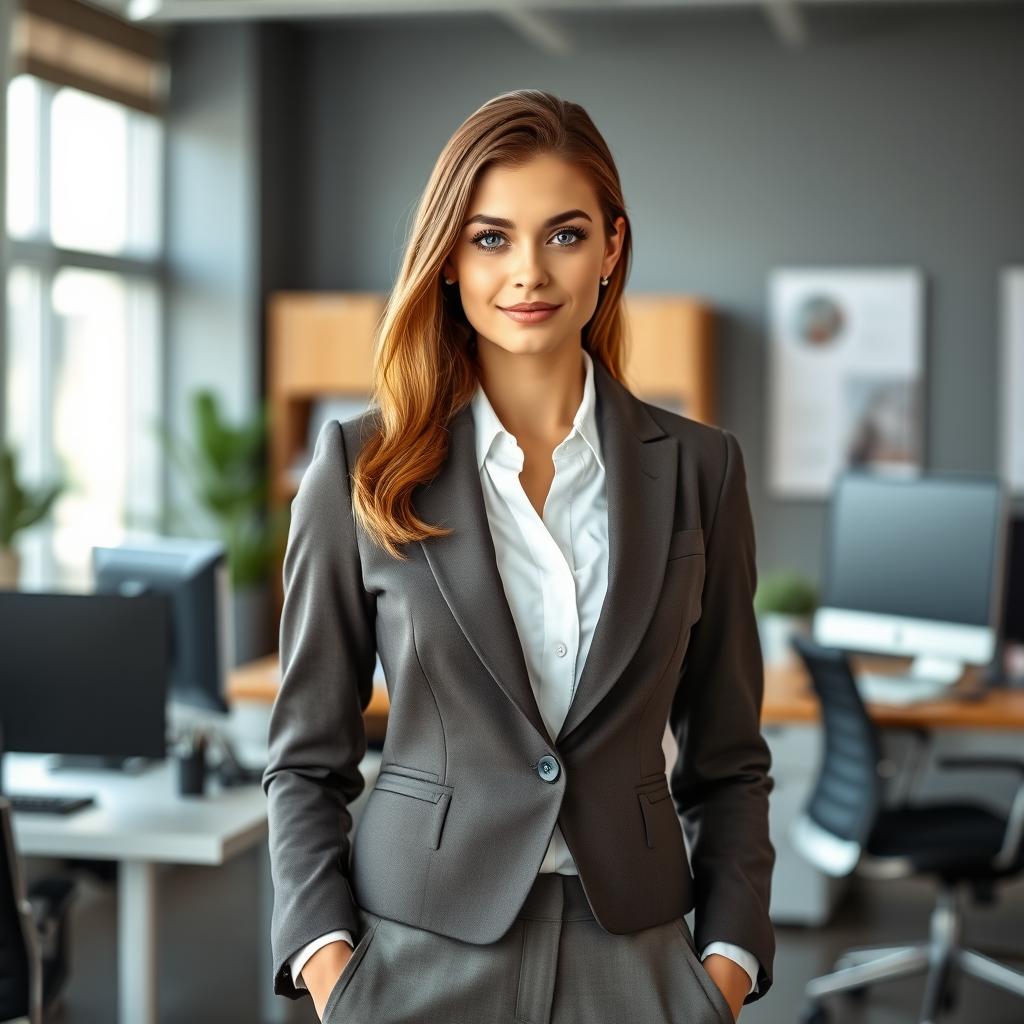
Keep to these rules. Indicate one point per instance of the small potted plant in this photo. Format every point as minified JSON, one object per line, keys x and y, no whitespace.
{"x":20,"y":508}
{"x":226,"y":468}
{"x":784,"y":603}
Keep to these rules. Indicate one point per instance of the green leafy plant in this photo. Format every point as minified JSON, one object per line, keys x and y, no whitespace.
{"x":225,"y":467}
{"x":21,"y":508}
{"x":786,"y":593}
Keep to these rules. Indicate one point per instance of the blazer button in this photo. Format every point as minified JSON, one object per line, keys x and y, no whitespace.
{"x":548,"y":768}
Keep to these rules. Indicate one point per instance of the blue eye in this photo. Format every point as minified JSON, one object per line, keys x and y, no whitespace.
{"x":487,"y":234}
{"x":577,"y":234}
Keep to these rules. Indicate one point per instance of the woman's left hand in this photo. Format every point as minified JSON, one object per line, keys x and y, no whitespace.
{"x":731,"y":979}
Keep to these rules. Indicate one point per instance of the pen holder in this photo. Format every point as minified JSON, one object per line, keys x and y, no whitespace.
{"x":192,"y":770}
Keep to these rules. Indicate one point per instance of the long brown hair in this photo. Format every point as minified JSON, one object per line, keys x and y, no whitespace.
{"x":425,"y":351}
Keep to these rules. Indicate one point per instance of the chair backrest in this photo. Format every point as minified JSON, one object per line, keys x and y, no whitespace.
{"x":848,"y":791}
{"x":19,"y":978}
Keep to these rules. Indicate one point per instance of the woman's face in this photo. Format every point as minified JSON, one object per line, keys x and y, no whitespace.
{"x":533,"y":234}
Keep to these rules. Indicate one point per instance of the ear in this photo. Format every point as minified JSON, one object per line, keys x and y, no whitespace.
{"x":613,"y":246}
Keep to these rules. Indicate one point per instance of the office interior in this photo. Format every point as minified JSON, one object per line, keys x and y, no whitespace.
{"x":205,"y":209}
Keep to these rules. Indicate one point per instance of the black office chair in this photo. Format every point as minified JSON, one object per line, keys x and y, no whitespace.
{"x":845,"y":828}
{"x":33,"y":935}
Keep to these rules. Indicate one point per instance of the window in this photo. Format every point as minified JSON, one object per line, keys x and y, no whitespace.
{"x":84,"y":306}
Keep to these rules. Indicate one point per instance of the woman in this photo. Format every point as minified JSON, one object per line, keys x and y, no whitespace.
{"x":551,"y":571}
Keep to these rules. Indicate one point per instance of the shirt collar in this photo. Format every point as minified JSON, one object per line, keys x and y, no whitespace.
{"x":488,"y":426}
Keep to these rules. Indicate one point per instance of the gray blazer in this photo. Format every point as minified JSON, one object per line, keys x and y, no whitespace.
{"x":471,"y":784}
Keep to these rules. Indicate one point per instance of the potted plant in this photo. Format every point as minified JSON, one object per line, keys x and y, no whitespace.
{"x":226,"y":468}
{"x":784,"y":603}
{"x":20,"y":508}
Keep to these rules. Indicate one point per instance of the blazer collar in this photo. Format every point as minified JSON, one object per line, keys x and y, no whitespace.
{"x":488,"y":426}
{"x":641,"y":466}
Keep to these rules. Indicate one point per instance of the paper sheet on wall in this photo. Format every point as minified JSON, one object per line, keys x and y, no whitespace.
{"x":845,"y":368}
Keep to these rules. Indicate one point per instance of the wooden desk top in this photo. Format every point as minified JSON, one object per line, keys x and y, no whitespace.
{"x":788,"y":699}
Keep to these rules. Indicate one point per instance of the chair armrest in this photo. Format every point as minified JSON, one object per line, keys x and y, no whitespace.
{"x":1009,"y":851}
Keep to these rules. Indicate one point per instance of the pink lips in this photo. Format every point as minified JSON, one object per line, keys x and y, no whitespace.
{"x":530,"y":316}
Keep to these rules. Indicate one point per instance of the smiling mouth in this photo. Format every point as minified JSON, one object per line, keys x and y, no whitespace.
{"x":530,"y":316}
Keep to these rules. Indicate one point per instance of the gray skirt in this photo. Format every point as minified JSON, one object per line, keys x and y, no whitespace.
{"x":555,"y":965}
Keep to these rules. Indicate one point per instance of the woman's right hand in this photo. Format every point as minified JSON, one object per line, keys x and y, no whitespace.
{"x":322,"y":971}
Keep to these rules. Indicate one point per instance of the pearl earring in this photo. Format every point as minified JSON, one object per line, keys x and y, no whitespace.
{"x":449,"y":280}
{"x":604,"y":280}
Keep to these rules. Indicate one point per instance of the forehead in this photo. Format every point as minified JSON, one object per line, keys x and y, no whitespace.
{"x":533,"y":191}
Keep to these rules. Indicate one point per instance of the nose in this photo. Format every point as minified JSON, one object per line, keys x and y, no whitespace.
{"x":530,"y":272}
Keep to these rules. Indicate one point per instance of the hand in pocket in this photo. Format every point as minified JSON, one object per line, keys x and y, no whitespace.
{"x":323,"y":971}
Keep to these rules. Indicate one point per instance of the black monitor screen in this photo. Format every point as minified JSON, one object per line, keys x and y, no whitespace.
{"x":83,"y":673}
{"x":1013,"y":609}
{"x":922,"y":547}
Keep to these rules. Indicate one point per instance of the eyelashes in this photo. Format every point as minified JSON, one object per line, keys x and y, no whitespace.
{"x":578,"y":233}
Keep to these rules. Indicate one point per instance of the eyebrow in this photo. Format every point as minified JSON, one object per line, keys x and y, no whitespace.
{"x":501,"y":222}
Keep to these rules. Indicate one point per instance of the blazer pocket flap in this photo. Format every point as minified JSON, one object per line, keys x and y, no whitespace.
{"x":419,"y":789}
{"x":649,"y":794}
{"x":686,"y":542}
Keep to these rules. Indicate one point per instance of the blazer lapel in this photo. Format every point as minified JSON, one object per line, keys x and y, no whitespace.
{"x":641,"y":466}
{"x":641,"y":471}
{"x":466,"y":569}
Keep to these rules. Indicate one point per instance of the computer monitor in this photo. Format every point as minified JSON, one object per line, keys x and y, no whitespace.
{"x":1013,"y":601}
{"x":914,"y":567}
{"x":193,"y":575}
{"x":83,"y":674}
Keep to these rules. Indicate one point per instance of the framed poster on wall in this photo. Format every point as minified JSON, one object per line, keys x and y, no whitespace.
{"x":845,"y":367}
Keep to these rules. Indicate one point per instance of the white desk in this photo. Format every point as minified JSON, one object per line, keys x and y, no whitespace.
{"x":140,"y":821}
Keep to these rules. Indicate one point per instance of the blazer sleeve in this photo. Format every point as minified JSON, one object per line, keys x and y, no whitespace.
{"x":720,"y":781}
{"x":316,"y":735}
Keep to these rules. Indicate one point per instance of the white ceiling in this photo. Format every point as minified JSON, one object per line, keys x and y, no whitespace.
{"x":535,"y":20}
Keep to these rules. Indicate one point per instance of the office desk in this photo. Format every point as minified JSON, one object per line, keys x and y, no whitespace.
{"x":139,"y":821}
{"x":789,"y":699}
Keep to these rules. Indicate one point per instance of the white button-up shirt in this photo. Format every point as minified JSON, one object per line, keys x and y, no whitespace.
{"x":554,"y":570}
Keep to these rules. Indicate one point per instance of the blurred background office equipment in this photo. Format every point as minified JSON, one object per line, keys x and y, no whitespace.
{"x":141,"y":826}
{"x":964,"y":847}
{"x":34,"y":940}
{"x":914,"y":566}
{"x":192,"y":576}
{"x":84,"y":677}
{"x":1008,"y":665}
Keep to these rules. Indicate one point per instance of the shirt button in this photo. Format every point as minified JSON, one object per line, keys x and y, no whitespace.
{"x":560,"y":650}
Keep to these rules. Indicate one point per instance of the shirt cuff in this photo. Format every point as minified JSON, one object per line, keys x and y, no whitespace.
{"x":738,"y":955}
{"x":298,"y":961}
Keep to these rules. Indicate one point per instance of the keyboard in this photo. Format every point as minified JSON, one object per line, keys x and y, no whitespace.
{"x":48,"y":803}
{"x":887,"y":689}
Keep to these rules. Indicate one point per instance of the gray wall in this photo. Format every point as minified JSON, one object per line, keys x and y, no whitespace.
{"x":212,"y":196}
{"x":893,"y":138}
